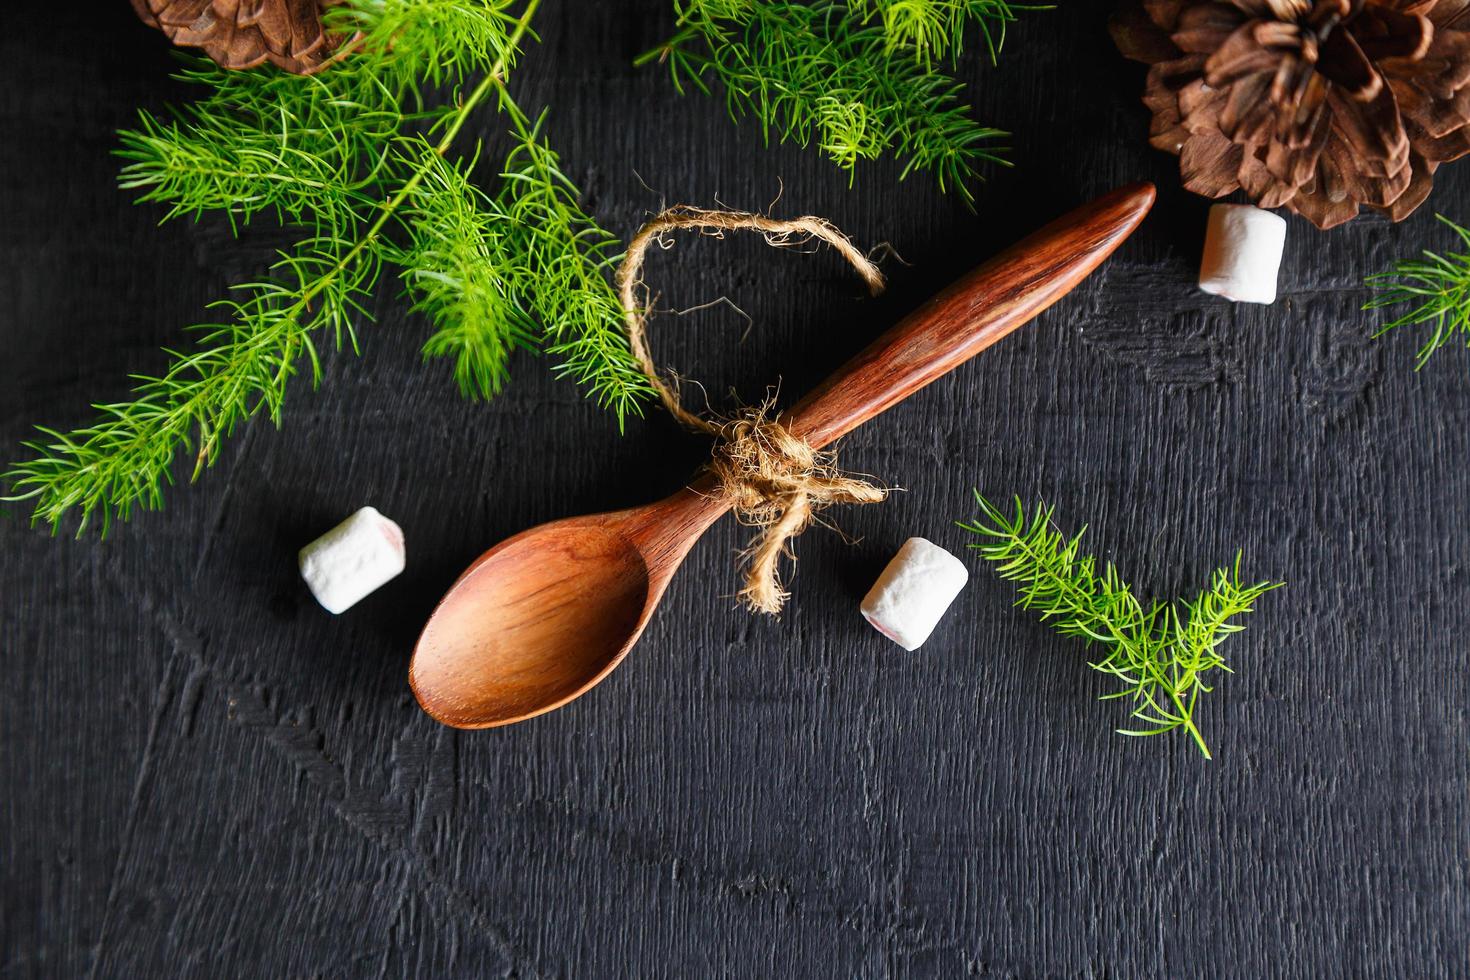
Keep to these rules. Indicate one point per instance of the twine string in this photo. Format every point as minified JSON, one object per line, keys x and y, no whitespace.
{"x":774,"y":480}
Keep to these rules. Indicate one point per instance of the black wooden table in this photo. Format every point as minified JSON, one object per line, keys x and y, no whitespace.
{"x":207,"y":775}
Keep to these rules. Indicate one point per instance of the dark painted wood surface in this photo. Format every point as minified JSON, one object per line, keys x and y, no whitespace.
{"x":206,"y":775}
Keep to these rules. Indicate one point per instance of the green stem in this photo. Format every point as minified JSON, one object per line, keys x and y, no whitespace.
{"x":1186,"y":718}
{"x":386,"y":210}
{"x":662,"y":51}
{"x":389,"y":207}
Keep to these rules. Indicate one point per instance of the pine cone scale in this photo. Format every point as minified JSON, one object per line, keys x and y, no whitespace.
{"x":204,"y":27}
{"x":1397,"y":35}
{"x":1344,"y":64}
{"x":1446,"y":148}
{"x":1208,"y":163}
{"x":273,"y":21}
{"x":1320,"y":106}
{"x":1246,"y":117}
{"x":1417,"y":192}
{"x":1201,"y":30}
{"x":246,"y":33}
{"x":1241,"y":56}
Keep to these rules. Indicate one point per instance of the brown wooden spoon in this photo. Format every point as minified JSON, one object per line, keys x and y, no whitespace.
{"x":542,"y":617}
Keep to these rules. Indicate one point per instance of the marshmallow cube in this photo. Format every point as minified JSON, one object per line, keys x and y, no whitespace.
{"x":912,"y":594}
{"x":1243,"y":248}
{"x":352,"y":560}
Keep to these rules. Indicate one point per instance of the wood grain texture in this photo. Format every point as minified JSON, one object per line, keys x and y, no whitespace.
{"x":208,"y":776}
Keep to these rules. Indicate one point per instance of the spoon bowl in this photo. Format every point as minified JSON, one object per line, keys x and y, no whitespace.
{"x":544,"y":616}
{"x":530,"y":623}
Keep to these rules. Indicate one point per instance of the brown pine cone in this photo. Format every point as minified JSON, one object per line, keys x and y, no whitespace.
{"x":246,"y":33}
{"x":1319,"y":106}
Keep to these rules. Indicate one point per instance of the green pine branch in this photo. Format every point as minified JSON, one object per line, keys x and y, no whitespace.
{"x":565,"y":270}
{"x":417,"y":45}
{"x":452,"y":268}
{"x":934,"y":30}
{"x":1161,"y":654}
{"x":856,"y":77}
{"x":357,"y":156}
{"x":239,"y":368}
{"x":488,"y":270}
{"x":1437,"y":291}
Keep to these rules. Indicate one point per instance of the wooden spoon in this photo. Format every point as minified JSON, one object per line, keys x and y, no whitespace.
{"x":542,"y":617}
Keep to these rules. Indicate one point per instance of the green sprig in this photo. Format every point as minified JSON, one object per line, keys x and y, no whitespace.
{"x":563,"y":264}
{"x":1161,"y":653}
{"x":854,"y":77}
{"x":488,"y":270}
{"x":1438,"y":290}
{"x":357,"y":155}
{"x":239,"y":368}
{"x":453,"y":271}
{"x":935,"y":29}
{"x":414,"y":42}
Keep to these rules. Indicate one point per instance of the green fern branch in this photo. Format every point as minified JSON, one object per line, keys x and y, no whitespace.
{"x":452,"y":270}
{"x":239,"y":368}
{"x":1162,"y":655}
{"x":853,"y":76}
{"x":934,"y":30}
{"x":564,"y":264}
{"x":217,"y":164}
{"x":1437,"y":291}
{"x":344,"y":154}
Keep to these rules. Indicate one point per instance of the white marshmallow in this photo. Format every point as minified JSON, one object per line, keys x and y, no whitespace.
{"x":912,"y":594}
{"x":1242,"y":256}
{"x":352,"y":559}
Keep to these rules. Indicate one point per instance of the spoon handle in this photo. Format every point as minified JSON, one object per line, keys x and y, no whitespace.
{"x":969,"y":316}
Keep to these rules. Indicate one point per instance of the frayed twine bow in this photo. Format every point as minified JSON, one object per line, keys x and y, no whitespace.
{"x":774,"y":479}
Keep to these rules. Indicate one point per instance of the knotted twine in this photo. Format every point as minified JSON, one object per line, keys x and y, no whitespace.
{"x":774,"y":480}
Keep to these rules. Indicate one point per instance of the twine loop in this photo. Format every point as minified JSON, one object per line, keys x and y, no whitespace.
{"x":774,"y":479}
